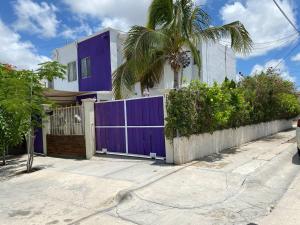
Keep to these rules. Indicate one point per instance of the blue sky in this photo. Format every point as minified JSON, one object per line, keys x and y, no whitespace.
{"x":31,"y":29}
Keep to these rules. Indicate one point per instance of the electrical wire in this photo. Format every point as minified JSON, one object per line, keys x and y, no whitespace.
{"x":287,"y":55}
{"x":294,"y":26}
{"x":270,"y":42}
{"x":288,"y":19}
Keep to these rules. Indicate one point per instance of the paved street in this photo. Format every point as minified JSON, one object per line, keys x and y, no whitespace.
{"x":239,"y":186}
{"x":287,"y":211}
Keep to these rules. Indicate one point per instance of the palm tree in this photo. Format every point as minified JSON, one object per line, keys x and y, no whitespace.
{"x":173,"y":29}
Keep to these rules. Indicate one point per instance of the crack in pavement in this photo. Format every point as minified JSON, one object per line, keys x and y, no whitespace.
{"x":238,"y":196}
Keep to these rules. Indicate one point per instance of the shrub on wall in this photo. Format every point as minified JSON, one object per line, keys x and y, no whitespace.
{"x":199,"y":108}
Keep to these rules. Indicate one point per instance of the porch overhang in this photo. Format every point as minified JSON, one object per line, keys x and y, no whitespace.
{"x":63,"y":97}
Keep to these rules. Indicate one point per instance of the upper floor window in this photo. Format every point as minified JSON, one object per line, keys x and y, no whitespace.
{"x":85,"y":67}
{"x":72,"y":72}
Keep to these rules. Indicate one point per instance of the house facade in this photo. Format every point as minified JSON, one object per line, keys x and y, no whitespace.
{"x":91,"y":61}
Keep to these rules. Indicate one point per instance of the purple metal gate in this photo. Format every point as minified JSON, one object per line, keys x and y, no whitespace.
{"x":131,"y":127}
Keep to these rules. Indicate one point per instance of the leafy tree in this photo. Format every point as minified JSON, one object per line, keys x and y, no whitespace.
{"x":239,"y":108}
{"x":21,"y":103}
{"x":262,"y":93}
{"x":287,"y":105}
{"x":174,"y":28}
{"x":13,"y":108}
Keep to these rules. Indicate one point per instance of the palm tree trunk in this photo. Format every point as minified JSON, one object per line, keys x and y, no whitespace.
{"x":176,"y":79}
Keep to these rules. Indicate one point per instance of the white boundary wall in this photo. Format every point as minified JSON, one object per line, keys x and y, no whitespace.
{"x":185,"y":149}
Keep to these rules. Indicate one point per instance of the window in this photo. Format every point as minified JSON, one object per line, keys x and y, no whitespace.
{"x":72,"y":72}
{"x":85,"y":67}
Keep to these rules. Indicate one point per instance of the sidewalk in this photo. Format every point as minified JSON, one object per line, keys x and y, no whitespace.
{"x":287,"y":211}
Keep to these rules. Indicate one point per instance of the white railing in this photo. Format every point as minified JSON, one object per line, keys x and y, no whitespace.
{"x":67,"y":121}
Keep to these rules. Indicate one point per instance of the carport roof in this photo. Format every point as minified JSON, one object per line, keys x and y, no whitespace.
{"x":62,"y":97}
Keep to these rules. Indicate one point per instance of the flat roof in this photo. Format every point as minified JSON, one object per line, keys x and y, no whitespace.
{"x":93,"y":35}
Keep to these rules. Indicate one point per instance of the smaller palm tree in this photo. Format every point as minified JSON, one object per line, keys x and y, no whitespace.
{"x":174,"y":28}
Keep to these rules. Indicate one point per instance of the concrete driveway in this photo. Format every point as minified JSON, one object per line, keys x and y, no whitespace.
{"x":66,"y":190}
{"x":239,"y":186}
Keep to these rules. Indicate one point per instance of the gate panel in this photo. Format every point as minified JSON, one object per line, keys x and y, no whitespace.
{"x":145,"y":112}
{"x":112,"y":139}
{"x":110,"y":114}
{"x":143,"y":141}
{"x":110,"y":130}
{"x":131,"y":126}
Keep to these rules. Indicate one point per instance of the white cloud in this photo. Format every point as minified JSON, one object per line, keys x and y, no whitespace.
{"x":14,"y":51}
{"x":264,"y":22}
{"x":119,"y":14}
{"x":282,"y":68}
{"x":36,"y":18}
{"x":117,"y":23}
{"x":73,"y":33}
{"x":296,"y":57}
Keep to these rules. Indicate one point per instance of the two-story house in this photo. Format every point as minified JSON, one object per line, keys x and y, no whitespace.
{"x":91,"y":61}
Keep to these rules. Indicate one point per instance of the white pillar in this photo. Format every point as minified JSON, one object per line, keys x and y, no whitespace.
{"x":45,"y":127}
{"x":168,"y":143}
{"x":89,"y":127}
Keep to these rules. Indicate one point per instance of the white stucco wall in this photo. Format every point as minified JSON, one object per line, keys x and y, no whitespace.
{"x":66,"y":55}
{"x":117,"y":39}
{"x":185,"y":149}
{"x":216,"y":65}
{"x":165,"y":83}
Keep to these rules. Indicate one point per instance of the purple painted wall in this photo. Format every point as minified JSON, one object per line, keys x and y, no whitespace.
{"x":38,"y":141}
{"x":98,"y":49}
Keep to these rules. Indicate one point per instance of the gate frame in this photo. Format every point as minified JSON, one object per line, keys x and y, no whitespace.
{"x":126,"y":129}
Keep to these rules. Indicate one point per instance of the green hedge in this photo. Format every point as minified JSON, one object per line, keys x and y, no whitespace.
{"x":199,"y":108}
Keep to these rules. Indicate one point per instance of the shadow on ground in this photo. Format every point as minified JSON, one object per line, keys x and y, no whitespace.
{"x":16,"y":166}
{"x":296,"y":159}
{"x":106,"y":157}
{"x":220,"y":156}
{"x":278,"y":136}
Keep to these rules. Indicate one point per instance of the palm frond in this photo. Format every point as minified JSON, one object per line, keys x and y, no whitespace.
{"x":142,"y":40}
{"x":199,"y":18}
{"x":154,"y":72}
{"x":130,"y":72}
{"x":240,"y":38}
{"x":123,"y":80}
{"x":196,"y":54}
{"x":160,"y":13}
